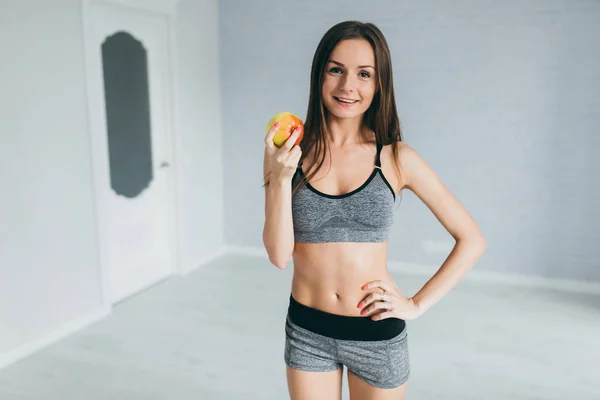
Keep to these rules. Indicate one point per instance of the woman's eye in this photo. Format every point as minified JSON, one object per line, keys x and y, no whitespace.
{"x":335,"y":70}
{"x":365,"y":75}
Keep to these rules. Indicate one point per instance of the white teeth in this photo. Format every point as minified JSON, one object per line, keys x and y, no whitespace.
{"x":346,"y":101}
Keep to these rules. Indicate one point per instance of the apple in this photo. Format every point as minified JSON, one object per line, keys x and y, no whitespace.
{"x":287,"y":123}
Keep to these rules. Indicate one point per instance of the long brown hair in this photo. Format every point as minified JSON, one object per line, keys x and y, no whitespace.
{"x":381,"y":117}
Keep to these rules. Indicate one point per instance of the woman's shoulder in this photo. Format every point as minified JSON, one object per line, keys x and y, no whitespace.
{"x":400,"y":147}
{"x":409,"y":158}
{"x":403,"y":157}
{"x":401,"y":150}
{"x":404,"y":150}
{"x":412,"y":164}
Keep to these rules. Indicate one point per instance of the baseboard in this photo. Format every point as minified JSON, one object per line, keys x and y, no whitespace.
{"x":506,"y":278}
{"x":220,"y":252}
{"x":28,"y":348}
{"x":475,"y":275}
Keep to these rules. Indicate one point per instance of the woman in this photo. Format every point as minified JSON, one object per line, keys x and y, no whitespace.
{"x":329,"y":205}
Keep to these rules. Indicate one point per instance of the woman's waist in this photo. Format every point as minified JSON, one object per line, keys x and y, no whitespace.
{"x":331,"y":279}
{"x":341,"y":326}
{"x":358,"y":255}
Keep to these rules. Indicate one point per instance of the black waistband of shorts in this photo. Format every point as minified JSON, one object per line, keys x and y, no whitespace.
{"x":342,"y":326}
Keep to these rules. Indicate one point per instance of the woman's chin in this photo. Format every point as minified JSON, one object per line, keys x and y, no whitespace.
{"x":345,"y":113}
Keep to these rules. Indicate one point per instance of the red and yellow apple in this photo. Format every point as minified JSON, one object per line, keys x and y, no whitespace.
{"x":287,"y":123}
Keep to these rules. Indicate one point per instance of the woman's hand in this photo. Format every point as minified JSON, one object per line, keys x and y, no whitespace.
{"x":282,"y":162}
{"x":390,"y":303}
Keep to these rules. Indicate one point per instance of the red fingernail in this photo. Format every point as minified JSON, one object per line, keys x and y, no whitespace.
{"x":364,"y":287}
{"x":362,"y":312}
{"x":276,"y":124}
{"x":359,"y":305}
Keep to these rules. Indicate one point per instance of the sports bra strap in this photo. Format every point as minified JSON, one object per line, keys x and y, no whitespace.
{"x":378,"y":157}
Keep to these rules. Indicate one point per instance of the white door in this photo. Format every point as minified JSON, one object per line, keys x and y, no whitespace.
{"x":130,"y":106}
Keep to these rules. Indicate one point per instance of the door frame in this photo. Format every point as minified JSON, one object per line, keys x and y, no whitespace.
{"x":95,"y":95}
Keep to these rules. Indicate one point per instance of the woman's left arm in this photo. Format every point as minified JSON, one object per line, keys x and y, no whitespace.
{"x":420,"y":178}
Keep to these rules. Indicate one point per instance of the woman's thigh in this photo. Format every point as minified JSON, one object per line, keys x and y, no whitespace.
{"x":361,"y":390}
{"x":307,"y":385}
{"x":313,"y":371}
{"x":382,"y":364}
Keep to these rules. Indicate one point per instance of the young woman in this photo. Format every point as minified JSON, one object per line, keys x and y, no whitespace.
{"x":329,"y":205}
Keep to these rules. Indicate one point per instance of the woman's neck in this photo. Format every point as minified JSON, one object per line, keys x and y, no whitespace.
{"x":344,"y":132}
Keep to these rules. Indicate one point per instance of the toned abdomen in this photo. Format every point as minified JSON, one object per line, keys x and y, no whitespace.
{"x":329,"y":276}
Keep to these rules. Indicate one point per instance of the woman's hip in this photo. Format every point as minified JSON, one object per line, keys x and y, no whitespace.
{"x":375,"y":351}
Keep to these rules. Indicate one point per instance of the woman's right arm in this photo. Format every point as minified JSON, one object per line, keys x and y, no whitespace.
{"x":278,"y":168}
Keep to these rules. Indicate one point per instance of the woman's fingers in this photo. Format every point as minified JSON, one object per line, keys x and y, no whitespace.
{"x":377,"y":296}
{"x":377,"y":305}
{"x":270,"y":135}
{"x":383,"y":315}
{"x":374,"y":301}
{"x":289,"y":143}
{"x":378,"y":285}
{"x":295,"y":155}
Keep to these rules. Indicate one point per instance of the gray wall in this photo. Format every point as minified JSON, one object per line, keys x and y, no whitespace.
{"x":49,"y":270}
{"x":501,"y":98}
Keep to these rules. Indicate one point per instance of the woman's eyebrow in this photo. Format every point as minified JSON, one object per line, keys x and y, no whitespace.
{"x":342,"y":65}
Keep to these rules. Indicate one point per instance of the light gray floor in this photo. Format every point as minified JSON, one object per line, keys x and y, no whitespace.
{"x":218,"y":334}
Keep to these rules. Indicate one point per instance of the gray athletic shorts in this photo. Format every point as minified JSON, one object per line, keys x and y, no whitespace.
{"x":375,"y":351}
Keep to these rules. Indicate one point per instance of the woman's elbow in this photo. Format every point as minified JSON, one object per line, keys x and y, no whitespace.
{"x":280,"y":263}
{"x":474,"y":239}
{"x":480,"y":240}
{"x":277,"y":256}
{"x":477,"y":242}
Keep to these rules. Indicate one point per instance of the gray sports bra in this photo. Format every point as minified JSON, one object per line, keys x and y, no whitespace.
{"x":363,"y":215}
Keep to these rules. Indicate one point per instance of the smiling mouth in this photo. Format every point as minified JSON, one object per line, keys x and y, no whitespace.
{"x":345,"y":101}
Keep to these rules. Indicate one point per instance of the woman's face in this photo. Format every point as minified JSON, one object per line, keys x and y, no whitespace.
{"x":349,"y":82}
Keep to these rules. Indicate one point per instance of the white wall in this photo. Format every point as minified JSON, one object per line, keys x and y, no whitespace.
{"x":199,"y":126}
{"x":49,"y":270}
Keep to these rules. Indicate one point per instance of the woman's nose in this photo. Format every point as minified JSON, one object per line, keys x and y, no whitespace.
{"x":347,"y":84}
